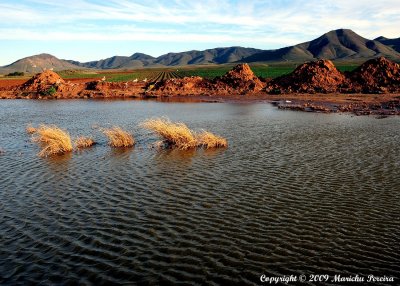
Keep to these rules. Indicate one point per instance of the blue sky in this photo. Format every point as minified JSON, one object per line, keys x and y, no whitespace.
{"x":87,"y":30}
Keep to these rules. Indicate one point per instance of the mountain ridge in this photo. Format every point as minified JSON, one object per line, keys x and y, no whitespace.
{"x":393,"y":43}
{"x":38,"y":63}
{"x":209,"y":56}
{"x":340,"y":44}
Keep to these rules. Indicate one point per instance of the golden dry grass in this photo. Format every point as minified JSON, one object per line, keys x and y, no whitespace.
{"x":53,"y":140}
{"x":117,"y":137}
{"x":176,"y":135}
{"x":84,"y":142}
{"x":209,"y":140}
{"x":30,"y":129}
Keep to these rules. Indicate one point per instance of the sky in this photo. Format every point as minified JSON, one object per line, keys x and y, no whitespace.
{"x":86,"y":30}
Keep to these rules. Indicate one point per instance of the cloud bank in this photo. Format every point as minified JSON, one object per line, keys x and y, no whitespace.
{"x":253,"y":23}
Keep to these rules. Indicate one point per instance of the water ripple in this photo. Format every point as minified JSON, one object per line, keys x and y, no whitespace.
{"x":294,"y":193}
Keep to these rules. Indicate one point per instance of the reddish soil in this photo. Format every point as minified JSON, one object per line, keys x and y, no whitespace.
{"x":240,"y":79}
{"x":376,"y":76}
{"x":103,"y":89}
{"x":315,"y":86}
{"x":43,"y":81}
{"x":194,"y":85}
{"x":359,"y":104}
{"x":9,"y":83}
{"x":6,"y":83}
{"x":48,"y":84}
{"x":312,"y":77}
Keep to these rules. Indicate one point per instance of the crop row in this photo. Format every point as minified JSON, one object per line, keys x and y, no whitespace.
{"x":164,"y":75}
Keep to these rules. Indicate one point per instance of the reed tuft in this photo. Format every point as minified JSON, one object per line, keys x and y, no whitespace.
{"x":30,"y":129}
{"x":53,"y":140}
{"x":117,"y":137}
{"x":84,"y":142}
{"x":178,"y":135}
{"x":209,"y":140}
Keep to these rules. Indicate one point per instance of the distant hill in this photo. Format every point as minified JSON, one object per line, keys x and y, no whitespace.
{"x":135,"y":61}
{"x":393,"y":43}
{"x":342,"y":44}
{"x":38,"y":63}
{"x":211,"y":56}
{"x":338,"y":44}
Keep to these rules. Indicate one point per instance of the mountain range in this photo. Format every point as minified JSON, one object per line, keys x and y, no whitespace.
{"x":342,"y":44}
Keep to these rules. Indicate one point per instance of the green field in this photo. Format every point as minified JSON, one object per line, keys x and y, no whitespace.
{"x":260,"y":70}
{"x":209,"y":72}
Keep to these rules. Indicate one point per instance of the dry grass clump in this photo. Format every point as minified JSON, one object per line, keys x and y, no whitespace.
{"x":209,"y":140}
{"x":117,"y":137}
{"x":176,"y":135}
{"x":30,"y":129}
{"x":84,"y":142}
{"x":53,"y":140}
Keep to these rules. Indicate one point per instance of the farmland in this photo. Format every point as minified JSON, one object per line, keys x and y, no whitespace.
{"x":164,"y":75}
{"x":209,"y":72}
{"x":158,"y":74}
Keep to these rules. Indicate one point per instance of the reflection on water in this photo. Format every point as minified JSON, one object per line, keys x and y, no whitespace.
{"x":117,"y":154}
{"x":181,"y":158}
{"x":294,"y":193}
{"x":58,"y":163}
{"x":211,"y":153}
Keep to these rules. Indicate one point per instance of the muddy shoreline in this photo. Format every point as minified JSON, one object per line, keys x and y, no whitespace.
{"x":372,"y":89}
{"x":358,"y":104}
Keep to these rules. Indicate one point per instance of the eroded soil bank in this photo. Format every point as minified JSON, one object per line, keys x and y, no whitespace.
{"x":373,"y":88}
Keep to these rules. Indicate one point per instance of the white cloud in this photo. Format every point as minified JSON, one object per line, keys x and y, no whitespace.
{"x":143,"y":35}
{"x":247,"y":22}
{"x":14,"y":14}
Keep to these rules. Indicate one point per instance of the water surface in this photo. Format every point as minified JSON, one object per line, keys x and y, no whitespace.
{"x":295,"y":193}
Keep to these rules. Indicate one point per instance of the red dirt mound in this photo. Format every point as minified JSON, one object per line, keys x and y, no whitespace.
{"x":378,"y":75}
{"x":42,"y":82}
{"x":311,"y":77}
{"x":240,"y":79}
{"x":102,"y":89}
{"x":194,"y":85}
{"x":48,"y":84}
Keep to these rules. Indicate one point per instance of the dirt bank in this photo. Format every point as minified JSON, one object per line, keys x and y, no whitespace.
{"x":373,"y":88}
{"x":239,"y":80}
{"x":378,"y":75}
{"x":312,"y":77}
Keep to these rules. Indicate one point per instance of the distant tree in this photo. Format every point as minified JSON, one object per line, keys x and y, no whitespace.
{"x":16,"y":74}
